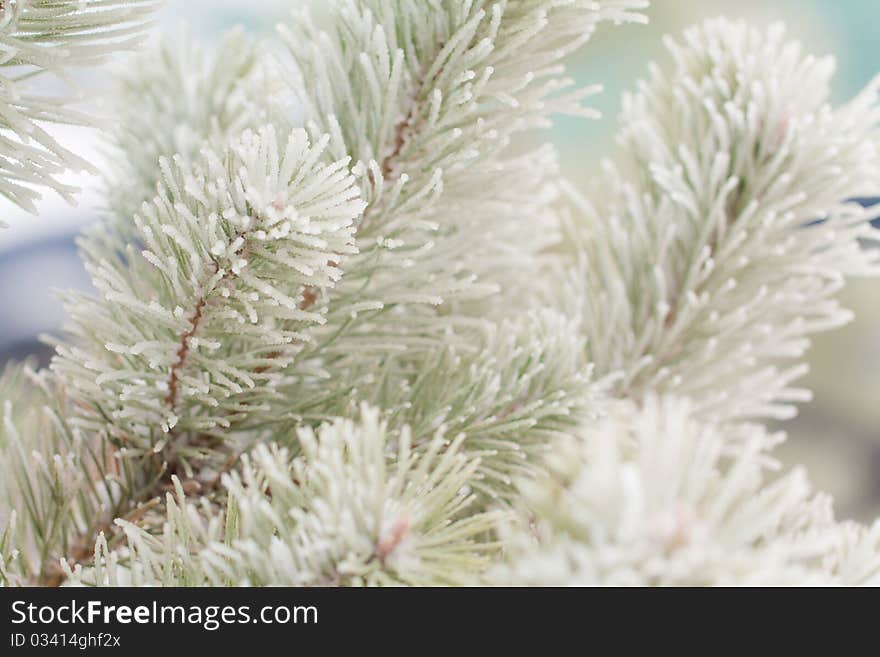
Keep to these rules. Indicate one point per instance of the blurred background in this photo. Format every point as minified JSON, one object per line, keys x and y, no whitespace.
{"x":837,"y":436}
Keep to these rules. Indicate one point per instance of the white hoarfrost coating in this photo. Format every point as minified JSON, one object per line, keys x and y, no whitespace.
{"x":382,"y":341}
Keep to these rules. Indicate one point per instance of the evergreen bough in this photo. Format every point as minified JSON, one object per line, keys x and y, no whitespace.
{"x":348,"y":328}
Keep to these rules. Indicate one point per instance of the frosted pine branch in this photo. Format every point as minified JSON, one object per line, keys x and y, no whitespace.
{"x":191,"y":333}
{"x":177,"y":98}
{"x":60,"y":485}
{"x":440,"y":91}
{"x":359,"y":506}
{"x":511,"y":392}
{"x":359,"y":352}
{"x":511,"y":400}
{"x":656,"y":497}
{"x":726,"y":231}
{"x":52,"y":36}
